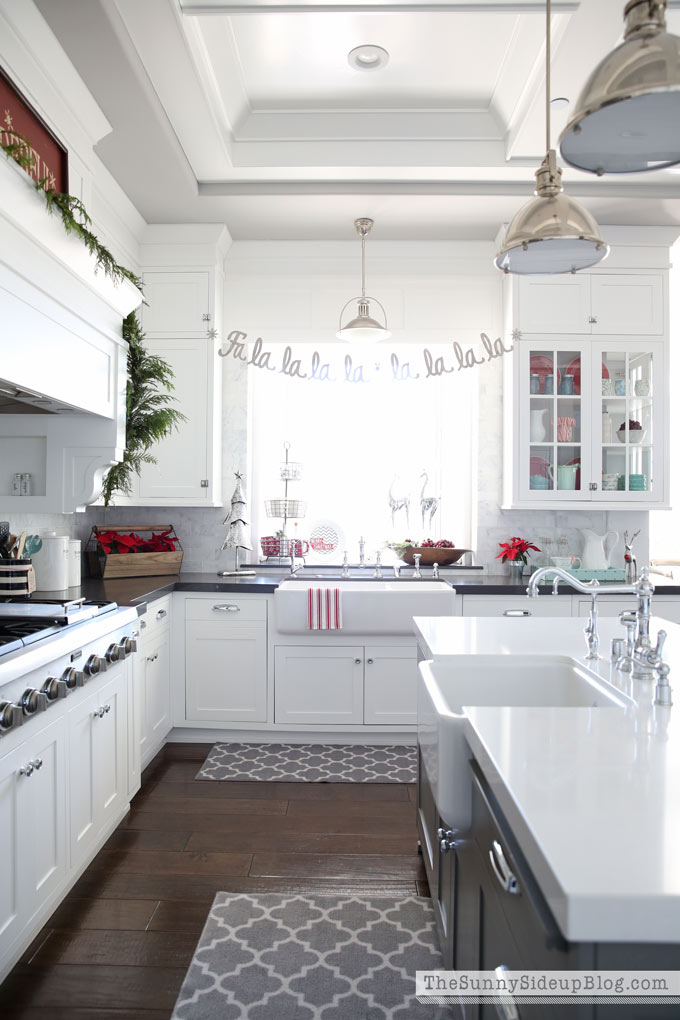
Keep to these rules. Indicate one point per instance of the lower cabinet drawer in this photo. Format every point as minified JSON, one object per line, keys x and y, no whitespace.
{"x":516,"y":605}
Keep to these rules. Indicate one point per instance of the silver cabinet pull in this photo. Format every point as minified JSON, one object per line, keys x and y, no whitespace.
{"x":26,"y":770}
{"x":505,"y":1007}
{"x":357,"y":662}
{"x":500,"y":868}
{"x":142,"y":624}
{"x":161,"y":614}
{"x":517,"y":612}
{"x":369,"y":661}
{"x":226,"y":607}
{"x":101,"y":712}
{"x":38,"y":763}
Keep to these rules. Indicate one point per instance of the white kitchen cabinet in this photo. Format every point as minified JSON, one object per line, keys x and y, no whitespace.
{"x":226,"y":660}
{"x":332,"y":685}
{"x":564,"y":443}
{"x":32,"y":827}
{"x":390,"y":685}
{"x":153,"y":666}
{"x":178,"y":303}
{"x":618,"y":304}
{"x":97,"y":764}
{"x":324,"y":686}
{"x":187,"y":471}
{"x":664,"y":607}
{"x":516,"y":605}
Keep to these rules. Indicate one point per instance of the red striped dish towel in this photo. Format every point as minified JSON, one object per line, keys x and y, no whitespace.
{"x":324,"y":609}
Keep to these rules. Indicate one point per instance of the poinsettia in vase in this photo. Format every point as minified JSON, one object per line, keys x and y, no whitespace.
{"x":515,"y":553}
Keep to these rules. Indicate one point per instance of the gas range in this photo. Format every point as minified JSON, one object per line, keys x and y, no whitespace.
{"x":49,"y":649}
{"x":25,"y":620}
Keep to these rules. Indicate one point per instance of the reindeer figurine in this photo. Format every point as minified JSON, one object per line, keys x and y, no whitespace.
{"x":629,"y":557}
{"x":428,"y":504}
{"x":398,"y":503}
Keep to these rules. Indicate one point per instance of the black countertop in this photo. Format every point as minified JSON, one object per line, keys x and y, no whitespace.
{"x":136,"y":591}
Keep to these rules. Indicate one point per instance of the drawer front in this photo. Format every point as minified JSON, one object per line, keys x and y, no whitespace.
{"x":156,"y":619}
{"x":227,"y":608}
{"x":516,"y":606}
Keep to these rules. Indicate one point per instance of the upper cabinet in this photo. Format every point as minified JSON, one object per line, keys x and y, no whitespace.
{"x":596,"y":305}
{"x":183,"y":300}
{"x":178,"y":304}
{"x":587,"y":389}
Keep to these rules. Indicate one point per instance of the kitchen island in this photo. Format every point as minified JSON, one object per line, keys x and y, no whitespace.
{"x":589,"y":794}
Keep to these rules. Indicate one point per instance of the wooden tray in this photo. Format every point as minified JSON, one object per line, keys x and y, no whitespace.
{"x":144,"y":564}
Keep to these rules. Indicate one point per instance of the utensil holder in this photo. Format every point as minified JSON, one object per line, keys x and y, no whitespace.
{"x":17,"y":577}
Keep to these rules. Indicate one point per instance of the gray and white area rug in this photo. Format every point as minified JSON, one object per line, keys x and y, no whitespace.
{"x":312,"y":763}
{"x":273,"y":957}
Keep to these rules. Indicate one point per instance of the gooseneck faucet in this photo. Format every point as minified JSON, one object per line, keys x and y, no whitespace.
{"x":644,"y":657}
{"x":362,"y":546}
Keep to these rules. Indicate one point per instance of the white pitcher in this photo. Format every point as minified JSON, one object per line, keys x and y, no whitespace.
{"x":595,"y":556}
{"x":537,"y":427}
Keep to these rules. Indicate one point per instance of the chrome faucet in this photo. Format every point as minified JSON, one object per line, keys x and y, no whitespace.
{"x":643,"y":658}
{"x":435,"y":571}
{"x":362,"y":559}
{"x":293,"y":568}
{"x":378,"y":565}
{"x":345,"y":565}
{"x":416,"y":565}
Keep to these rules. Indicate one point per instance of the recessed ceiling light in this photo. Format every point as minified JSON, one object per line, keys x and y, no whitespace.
{"x":559,"y":102}
{"x":368,"y":57}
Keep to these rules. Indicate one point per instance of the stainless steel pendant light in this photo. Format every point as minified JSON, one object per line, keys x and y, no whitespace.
{"x":363,"y":326}
{"x":627,"y":117}
{"x":552,"y":233}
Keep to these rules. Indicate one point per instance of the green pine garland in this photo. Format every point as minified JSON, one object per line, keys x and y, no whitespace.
{"x":148,"y":419}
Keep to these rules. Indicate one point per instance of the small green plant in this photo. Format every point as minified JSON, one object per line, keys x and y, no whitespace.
{"x":148,"y":416}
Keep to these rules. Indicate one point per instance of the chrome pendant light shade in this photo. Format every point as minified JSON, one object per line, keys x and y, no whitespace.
{"x":363,"y":326}
{"x":552,"y":233}
{"x":627,"y":118}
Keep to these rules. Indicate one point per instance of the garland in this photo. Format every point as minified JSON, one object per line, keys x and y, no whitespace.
{"x":148,"y":418}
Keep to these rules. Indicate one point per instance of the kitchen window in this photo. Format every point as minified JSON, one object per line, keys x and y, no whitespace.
{"x":359,"y":442}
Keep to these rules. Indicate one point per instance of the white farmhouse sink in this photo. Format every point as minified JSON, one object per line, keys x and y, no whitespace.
{"x":445,"y":688}
{"x":368,"y":607}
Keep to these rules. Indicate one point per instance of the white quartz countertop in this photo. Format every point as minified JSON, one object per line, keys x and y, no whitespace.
{"x":592,"y":794}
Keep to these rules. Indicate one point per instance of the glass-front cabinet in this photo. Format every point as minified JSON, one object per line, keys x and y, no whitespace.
{"x":589,"y":423}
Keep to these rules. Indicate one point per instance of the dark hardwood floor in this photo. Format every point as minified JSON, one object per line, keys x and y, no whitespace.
{"x":120,"y":943}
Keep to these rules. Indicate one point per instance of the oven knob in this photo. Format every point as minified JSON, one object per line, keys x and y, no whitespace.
{"x":128,"y":645}
{"x":95,"y":664}
{"x":114,"y":653}
{"x":54,"y":688}
{"x":9,"y":716}
{"x":33,"y":701}
{"x":73,"y":678}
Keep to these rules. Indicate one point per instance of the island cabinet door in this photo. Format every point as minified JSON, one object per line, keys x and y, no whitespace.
{"x":322,"y":686}
{"x":391,"y":685}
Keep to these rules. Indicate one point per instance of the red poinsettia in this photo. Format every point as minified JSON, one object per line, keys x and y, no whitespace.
{"x":515,"y":550}
{"x":120,"y":543}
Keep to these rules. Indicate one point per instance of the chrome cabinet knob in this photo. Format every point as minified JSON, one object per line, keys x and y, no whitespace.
{"x":161,"y":614}
{"x":26,"y":770}
{"x":37,"y":764}
{"x":369,"y":661}
{"x":357,"y":662}
{"x":446,"y":839}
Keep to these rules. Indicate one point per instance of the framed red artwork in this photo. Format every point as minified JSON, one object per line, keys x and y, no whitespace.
{"x":17,"y":119}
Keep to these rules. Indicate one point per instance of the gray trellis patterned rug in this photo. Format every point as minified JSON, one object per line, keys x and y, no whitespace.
{"x":273,"y":957}
{"x":312,"y":763}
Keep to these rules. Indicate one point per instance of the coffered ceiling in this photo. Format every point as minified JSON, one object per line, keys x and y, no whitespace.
{"x":248,"y":112}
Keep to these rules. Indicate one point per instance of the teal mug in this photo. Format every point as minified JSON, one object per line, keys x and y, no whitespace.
{"x":541,"y":481}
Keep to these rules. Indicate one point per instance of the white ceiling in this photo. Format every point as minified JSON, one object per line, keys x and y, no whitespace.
{"x":248,"y":112}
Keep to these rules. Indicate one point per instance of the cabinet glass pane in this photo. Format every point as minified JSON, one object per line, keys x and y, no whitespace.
{"x":554,"y":420}
{"x":627,"y":436}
